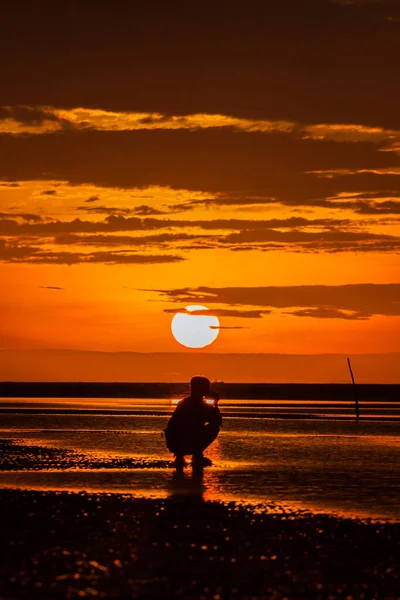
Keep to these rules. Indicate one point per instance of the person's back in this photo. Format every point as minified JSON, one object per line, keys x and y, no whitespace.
{"x":194,"y":424}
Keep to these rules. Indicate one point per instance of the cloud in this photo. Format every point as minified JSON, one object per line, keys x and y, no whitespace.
{"x":24,"y":216}
{"x":358,"y":206}
{"x":13,"y":253}
{"x":222,"y":312}
{"x":49,"y":120}
{"x":108,"y":210}
{"x":387,"y":207}
{"x":233,"y":60}
{"x":329,"y":313}
{"x":229,"y":168}
{"x":92,"y":199}
{"x":110,"y":224}
{"x":145,"y":210}
{"x":227,"y":327}
{"x":83,"y":119}
{"x":107,"y":258}
{"x":114,"y":223}
{"x":329,"y":173}
{"x":124,"y":240}
{"x":50,"y":287}
{"x":357,"y":202}
{"x":332,"y":238}
{"x":296,"y":234}
{"x":363,"y":300}
{"x":223,"y":200}
{"x":17,"y":120}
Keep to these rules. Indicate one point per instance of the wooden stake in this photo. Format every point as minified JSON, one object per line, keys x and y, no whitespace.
{"x":354,"y":390}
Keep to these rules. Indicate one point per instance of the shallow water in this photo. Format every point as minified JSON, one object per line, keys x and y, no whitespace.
{"x":310,"y":455}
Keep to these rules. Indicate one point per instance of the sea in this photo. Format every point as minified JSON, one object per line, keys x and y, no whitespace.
{"x":310,"y":455}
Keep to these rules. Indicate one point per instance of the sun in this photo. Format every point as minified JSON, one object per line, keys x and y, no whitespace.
{"x":195,"y":331}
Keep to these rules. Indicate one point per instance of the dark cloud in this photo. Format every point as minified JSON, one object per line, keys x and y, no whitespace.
{"x":387,"y":207}
{"x":10,"y":252}
{"x":332,"y":237}
{"x":114,"y":223}
{"x":264,"y":59}
{"x":223,"y":200}
{"x":222,"y":312}
{"x":24,"y":216}
{"x":104,"y":210}
{"x":28,"y":115}
{"x":330,"y":313}
{"x":365,"y":300}
{"x":110,"y":224}
{"x":333,"y":247}
{"x":241,"y":165}
{"x":14,"y":253}
{"x":227,"y":327}
{"x":145,"y":210}
{"x":124,"y":240}
{"x":107,"y":258}
{"x":49,"y":193}
{"x":142,"y":210}
{"x":228,"y":64}
{"x":51,"y":287}
{"x":362,"y":205}
{"x":292,"y":234}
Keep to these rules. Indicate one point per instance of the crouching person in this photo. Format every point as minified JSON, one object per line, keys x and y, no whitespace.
{"x":194,"y":425}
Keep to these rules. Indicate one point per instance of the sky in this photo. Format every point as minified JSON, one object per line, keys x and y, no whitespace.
{"x":244,"y":156}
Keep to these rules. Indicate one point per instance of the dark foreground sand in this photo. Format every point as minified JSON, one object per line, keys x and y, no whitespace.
{"x":72,"y":545}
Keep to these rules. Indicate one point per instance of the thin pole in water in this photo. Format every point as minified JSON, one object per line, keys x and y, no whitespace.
{"x":354,"y":389}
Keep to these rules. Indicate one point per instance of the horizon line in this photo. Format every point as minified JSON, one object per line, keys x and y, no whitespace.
{"x":200,"y":353}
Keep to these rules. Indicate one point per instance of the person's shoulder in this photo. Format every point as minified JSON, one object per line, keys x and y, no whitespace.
{"x":184,"y":401}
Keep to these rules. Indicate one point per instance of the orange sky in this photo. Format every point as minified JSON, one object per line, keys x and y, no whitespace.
{"x":272,"y":202}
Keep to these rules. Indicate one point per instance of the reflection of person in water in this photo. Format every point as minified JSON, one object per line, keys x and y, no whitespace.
{"x":194,"y":425}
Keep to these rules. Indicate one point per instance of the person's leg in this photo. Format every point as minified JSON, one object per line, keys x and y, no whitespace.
{"x":179,"y":462}
{"x":197,"y":454}
{"x":209,"y":434}
{"x":199,"y":461}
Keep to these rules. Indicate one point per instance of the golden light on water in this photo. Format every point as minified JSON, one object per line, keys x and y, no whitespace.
{"x":175,"y":401}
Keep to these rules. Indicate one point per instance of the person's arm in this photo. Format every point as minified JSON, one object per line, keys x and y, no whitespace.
{"x":215,"y":395}
{"x":214,"y":416}
{"x":174,"y":419}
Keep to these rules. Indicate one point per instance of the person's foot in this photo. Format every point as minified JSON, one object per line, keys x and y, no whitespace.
{"x":179,"y":463}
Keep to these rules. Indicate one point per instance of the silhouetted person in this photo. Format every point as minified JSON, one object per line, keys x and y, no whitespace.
{"x":194,"y":425}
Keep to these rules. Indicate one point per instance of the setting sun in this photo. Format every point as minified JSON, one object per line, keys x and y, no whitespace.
{"x":195,"y":330}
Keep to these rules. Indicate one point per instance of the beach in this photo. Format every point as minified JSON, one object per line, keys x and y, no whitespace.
{"x":291,"y":508}
{"x":71,"y":545}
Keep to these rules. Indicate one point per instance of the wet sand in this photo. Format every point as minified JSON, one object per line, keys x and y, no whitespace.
{"x":72,"y":545}
{"x":22,"y":457}
{"x":292,"y":507}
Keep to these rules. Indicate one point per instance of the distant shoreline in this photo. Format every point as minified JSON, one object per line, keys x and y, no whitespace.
{"x":275,"y":391}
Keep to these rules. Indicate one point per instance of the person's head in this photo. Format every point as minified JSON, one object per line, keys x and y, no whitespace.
{"x":200,"y":386}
